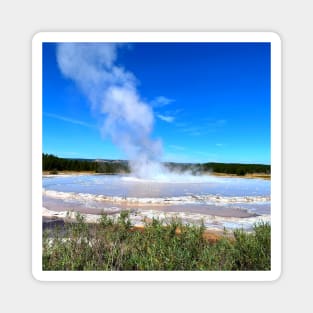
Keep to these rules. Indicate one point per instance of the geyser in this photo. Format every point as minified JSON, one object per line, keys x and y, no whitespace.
{"x":113,"y":94}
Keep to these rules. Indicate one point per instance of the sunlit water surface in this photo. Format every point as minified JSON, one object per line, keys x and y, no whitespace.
{"x":223,"y":201}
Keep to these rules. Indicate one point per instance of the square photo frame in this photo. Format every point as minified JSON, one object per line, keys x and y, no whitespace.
{"x":188,"y":123}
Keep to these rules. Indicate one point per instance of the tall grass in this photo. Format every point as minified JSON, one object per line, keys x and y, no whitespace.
{"x":115,"y":245}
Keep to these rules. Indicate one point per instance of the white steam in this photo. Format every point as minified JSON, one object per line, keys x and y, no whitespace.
{"x":112,"y":91}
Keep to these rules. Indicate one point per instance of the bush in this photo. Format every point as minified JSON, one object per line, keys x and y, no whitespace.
{"x":116,"y":245}
{"x":254,"y":250}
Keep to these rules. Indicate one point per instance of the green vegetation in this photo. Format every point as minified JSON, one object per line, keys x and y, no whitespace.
{"x":226,"y":168}
{"x":53,"y":164}
{"x":115,"y":245}
{"x":236,"y":168}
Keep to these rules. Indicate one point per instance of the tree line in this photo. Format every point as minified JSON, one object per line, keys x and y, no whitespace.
{"x":236,"y":168}
{"x":54,"y":164}
{"x":226,"y":168}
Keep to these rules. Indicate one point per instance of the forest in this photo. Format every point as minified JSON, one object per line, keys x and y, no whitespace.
{"x":54,"y":164}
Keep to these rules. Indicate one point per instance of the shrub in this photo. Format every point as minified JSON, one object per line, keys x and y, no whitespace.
{"x":115,"y":245}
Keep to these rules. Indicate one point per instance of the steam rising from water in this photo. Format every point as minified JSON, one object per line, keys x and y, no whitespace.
{"x":112,"y":91}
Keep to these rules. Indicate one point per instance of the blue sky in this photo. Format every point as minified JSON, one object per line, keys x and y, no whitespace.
{"x":210,"y":101}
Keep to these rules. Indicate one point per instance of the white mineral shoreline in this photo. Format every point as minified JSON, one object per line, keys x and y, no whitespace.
{"x":138,"y":218}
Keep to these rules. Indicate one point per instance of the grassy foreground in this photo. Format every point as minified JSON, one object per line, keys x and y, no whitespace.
{"x":115,"y":245}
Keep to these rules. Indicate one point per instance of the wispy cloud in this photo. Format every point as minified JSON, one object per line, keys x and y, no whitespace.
{"x":166,"y":118}
{"x":194,"y":130}
{"x":176,"y":147}
{"x":161,"y":101}
{"x":208,"y":126}
{"x":177,"y":157}
{"x":69,"y":120}
{"x":68,"y":154}
{"x":209,"y":122}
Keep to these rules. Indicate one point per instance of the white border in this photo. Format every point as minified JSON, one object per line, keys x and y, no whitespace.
{"x":271,"y":37}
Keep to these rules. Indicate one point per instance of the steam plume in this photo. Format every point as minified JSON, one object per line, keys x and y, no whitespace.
{"x":112,"y":91}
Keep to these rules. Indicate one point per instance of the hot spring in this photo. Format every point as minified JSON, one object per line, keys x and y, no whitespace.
{"x":218,"y":202}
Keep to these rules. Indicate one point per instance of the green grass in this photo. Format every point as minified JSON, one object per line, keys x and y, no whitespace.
{"x":115,"y":245}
